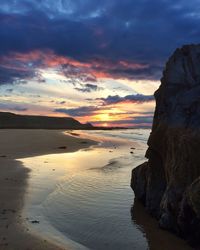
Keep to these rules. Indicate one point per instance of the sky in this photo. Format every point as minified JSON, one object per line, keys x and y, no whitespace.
{"x":98,"y":61}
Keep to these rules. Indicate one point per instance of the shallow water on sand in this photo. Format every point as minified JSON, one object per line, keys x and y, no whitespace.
{"x":86,"y":197}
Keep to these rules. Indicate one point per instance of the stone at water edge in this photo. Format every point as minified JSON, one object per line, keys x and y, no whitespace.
{"x":165,"y":184}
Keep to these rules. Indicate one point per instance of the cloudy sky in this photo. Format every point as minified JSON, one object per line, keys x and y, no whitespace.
{"x":96,"y":60}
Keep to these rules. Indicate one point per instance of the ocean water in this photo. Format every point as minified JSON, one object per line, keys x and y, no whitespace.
{"x":84,"y":198}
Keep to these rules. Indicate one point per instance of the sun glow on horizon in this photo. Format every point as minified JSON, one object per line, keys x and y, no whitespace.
{"x":105,"y":125}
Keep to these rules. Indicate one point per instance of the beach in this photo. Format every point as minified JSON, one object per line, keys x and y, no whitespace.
{"x":17,"y":144}
{"x":62,"y":191}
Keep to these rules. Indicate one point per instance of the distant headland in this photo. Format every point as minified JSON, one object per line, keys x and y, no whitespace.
{"x":10,"y":120}
{"x":15,"y":121}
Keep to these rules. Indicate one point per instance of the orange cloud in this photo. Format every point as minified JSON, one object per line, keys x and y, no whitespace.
{"x":100,"y":68}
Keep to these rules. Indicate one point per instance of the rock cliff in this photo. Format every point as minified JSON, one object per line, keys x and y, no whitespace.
{"x":168,"y":183}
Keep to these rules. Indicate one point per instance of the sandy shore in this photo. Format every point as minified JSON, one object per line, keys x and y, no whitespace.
{"x":15,"y":144}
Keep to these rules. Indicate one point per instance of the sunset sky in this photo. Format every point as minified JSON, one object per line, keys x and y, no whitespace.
{"x":98,"y":61}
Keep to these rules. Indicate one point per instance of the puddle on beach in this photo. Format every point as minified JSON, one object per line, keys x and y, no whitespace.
{"x":84,"y":198}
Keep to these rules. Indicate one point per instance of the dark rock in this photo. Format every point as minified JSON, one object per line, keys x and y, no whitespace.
{"x":84,"y":142}
{"x":188,"y":218}
{"x":168,"y":184}
{"x":62,"y":147}
{"x":35,"y":221}
{"x":139,"y":181}
{"x":74,"y":134}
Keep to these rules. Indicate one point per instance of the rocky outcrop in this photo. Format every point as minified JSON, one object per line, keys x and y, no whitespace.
{"x":168,"y":184}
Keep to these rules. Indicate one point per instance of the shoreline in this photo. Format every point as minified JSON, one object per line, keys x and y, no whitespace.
{"x":16,"y":144}
{"x":17,"y":173}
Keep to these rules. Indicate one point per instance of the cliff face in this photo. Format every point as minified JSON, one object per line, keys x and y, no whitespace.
{"x":168,"y":184}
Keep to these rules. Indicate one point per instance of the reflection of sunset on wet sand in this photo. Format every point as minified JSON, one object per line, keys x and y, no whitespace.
{"x":87,"y":196}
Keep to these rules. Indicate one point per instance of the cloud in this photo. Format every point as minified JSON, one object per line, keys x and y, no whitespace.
{"x":87,"y":88}
{"x":120,"y":39}
{"x":12,"y":107}
{"x":142,"y":120}
{"x":62,"y":102}
{"x":18,"y":66}
{"x":18,"y":108}
{"x":77,"y":112}
{"x":9,"y":90}
{"x":9,"y":74}
{"x":137,"y":121}
{"x":138,"y":98}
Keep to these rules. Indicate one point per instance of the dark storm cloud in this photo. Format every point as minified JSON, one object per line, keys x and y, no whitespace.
{"x":151,"y":73}
{"x":10,"y":75}
{"x":141,"y":31}
{"x":129,"y":98}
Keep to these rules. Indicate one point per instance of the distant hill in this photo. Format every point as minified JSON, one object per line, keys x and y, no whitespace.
{"x":10,"y":120}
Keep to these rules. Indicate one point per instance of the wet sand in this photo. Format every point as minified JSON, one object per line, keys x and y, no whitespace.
{"x":156,"y":237}
{"x":15,"y":144}
{"x":90,"y":201}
